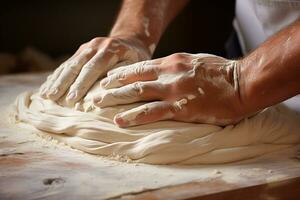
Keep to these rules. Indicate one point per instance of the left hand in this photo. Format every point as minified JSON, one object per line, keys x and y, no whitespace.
{"x":91,"y":61}
{"x":199,"y":88}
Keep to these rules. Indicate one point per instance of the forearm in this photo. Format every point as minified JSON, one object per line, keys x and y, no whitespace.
{"x":271,"y":73}
{"x":146,"y":19}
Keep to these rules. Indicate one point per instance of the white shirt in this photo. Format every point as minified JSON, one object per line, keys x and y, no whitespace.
{"x":256,"y":20}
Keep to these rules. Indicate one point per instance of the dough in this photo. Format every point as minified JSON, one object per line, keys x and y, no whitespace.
{"x":91,"y":129}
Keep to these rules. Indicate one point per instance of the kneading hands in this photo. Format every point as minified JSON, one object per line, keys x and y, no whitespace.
{"x":199,"y":88}
{"x":91,"y":61}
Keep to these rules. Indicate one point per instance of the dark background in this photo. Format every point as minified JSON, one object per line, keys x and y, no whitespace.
{"x":59,"y":27}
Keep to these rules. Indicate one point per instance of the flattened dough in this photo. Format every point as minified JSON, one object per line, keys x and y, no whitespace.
{"x":166,"y":142}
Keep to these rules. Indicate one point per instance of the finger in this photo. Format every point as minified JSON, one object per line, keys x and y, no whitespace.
{"x":136,"y":72}
{"x":147,"y":113}
{"x":138,"y":91}
{"x":45,"y":87}
{"x":50,"y":80}
{"x":89,"y":73}
{"x":70,"y":71}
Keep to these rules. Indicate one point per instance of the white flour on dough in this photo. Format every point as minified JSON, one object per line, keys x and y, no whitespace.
{"x":165,"y":142}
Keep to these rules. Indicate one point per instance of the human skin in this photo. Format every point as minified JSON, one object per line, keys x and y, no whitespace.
{"x":230,"y":90}
{"x":133,"y":38}
{"x":183,"y":87}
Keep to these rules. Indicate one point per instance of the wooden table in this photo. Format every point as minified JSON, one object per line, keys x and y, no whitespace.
{"x":35,"y":168}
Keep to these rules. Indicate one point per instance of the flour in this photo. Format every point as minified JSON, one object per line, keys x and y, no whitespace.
{"x":179,"y":104}
{"x":146,"y":26}
{"x":112,"y":82}
{"x":191,"y":97}
{"x":89,"y":108}
{"x":91,"y":128}
{"x":152,"y":48}
{"x":201,"y":91}
{"x":128,"y":94}
{"x":130,"y":116}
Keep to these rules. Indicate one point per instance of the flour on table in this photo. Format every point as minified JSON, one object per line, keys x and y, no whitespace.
{"x":91,"y":129}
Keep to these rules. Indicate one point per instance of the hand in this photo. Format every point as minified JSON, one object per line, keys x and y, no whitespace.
{"x":199,"y":88}
{"x":91,"y":61}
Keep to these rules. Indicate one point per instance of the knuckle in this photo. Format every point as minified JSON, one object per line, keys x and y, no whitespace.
{"x":116,"y":42}
{"x":176,"y":56}
{"x":72,"y":69}
{"x":155,"y":69}
{"x":120,"y":76}
{"x":96,"y":41}
{"x":139,"y":68}
{"x":139,"y":87}
{"x":82,"y":46}
{"x":65,"y":65}
{"x":110,"y":41}
{"x":89,"y":67}
{"x":88,"y":50}
{"x":116,"y":45}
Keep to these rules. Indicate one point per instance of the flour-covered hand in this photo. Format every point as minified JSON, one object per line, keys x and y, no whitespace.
{"x":91,"y":61}
{"x":200,"y":88}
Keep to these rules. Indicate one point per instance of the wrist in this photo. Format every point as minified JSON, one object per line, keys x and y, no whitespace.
{"x":135,"y":40}
{"x":249,"y":86}
{"x":240,"y":103}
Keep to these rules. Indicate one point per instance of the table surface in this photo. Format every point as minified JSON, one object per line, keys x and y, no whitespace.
{"x":36,"y":168}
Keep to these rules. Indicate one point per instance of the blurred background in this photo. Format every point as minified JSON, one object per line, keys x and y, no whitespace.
{"x":39,"y":35}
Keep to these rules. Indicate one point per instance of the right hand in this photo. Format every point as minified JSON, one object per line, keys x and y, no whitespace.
{"x":194,"y":88}
{"x":92,"y":60}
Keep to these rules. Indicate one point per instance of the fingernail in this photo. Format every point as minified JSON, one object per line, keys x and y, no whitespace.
{"x":120,"y":121}
{"x":71,"y":96}
{"x":97,"y":100}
